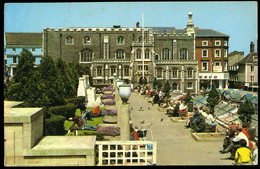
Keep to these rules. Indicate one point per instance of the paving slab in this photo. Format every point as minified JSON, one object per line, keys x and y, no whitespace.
{"x":174,"y":142}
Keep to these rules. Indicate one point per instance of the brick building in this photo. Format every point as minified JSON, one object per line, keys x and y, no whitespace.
{"x":168,"y":55}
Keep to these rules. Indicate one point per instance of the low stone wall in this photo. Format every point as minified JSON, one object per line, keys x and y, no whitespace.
{"x":179,"y":119}
{"x":208,"y":137}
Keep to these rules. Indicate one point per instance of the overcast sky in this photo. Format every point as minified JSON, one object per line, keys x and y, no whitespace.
{"x":238,"y":19}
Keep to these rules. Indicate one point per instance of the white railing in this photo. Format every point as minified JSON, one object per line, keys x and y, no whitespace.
{"x":126,"y":153}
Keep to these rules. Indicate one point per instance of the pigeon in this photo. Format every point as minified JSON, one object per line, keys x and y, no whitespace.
{"x":148,"y":108}
{"x":162,"y":119}
{"x":142,"y":122}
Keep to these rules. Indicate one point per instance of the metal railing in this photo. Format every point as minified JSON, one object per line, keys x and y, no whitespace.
{"x":126,"y":153}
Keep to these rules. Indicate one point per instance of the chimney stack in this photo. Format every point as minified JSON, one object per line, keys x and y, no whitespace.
{"x":137,"y":24}
{"x":252,"y":47}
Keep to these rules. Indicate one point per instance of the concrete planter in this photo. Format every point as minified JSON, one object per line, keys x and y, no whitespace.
{"x":108,"y":92}
{"x":179,"y":119}
{"x":162,"y":109}
{"x":208,"y":137}
{"x":110,"y":119}
{"x":110,"y":106}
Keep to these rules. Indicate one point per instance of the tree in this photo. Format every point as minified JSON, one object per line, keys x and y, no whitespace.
{"x":159,"y":85}
{"x":187,"y":98}
{"x":167,"y":88}
{"x":213,"y":98}
{"x":245,"y":111}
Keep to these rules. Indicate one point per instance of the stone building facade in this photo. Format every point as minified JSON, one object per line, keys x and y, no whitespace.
{"x":167,"y":55}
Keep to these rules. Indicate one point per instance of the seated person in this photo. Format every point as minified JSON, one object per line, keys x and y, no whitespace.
{"x":133,"y":134}
{"x":97,"y":112}
{"x":211,"y":121}
{"x":191,"y":119}
{"x":149,"y":94}
{"x":183,"y":109}
{"x":204,"y":112}
{"x":230,"y":134}
{"x":243,"y":155}
{"x":72,"y":130}
{"x":244,"y":130}
{"x":198,"y":123}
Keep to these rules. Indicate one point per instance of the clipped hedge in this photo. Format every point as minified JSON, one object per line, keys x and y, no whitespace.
{"x":67,"y":110}
{"x":77,"y":100}
{"x":55,"y":125}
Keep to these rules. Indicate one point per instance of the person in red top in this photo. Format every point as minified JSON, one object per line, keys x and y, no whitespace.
{"x":97,"y":112}
{"x":149,"y":93}
{"x":244,"y":130}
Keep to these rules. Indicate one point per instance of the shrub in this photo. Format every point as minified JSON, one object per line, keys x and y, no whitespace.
{"x":55,"y":125}
{"x":109,"y":88}
{"x":108,"y":96}
{"x":110,"y":102}
{"x":67,"y":110}
{"x":77,"y":100}
{"x":109,"y":131}
{"x":111,"y":112}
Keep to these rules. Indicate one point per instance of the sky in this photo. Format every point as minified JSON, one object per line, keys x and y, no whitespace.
{"x":238,"y":19}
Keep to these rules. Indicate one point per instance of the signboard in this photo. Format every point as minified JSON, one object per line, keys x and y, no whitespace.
{"x":217,"y":68}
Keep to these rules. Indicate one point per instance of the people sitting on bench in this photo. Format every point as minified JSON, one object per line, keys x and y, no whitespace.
{"x":211,"y":122}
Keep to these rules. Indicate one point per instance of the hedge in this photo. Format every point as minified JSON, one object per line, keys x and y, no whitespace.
{"x":77,"y":100}
{"x":55,"y":125}
{"x":67,"y":110}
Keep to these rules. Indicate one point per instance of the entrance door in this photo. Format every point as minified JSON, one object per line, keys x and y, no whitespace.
{"x":174,"y":86}
{"x":141,"y":80}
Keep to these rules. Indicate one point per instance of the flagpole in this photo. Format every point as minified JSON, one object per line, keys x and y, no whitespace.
{"x":143,"y":42}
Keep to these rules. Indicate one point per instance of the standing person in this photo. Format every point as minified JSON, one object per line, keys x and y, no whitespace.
{"x":243,"y":155}
{"x":97,"y":112}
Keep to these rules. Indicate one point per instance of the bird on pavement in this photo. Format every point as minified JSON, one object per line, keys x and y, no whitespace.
{"x":162,"y":119}
{"x":148,"y":108}
{"x":142,"y":122}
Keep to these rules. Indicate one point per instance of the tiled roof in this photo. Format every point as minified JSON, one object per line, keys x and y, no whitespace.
{"x":249,"y":58}
{"x":23,"y":39}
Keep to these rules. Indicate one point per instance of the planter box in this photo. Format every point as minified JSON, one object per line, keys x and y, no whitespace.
{"x":110,"y":119}
{"x":179,"y":120}
{"x":104,"y":100}
{"x":108,"y":92}
{"x":162,"y":109}
{"x":208,"y":137}
{"x":110,"y":106}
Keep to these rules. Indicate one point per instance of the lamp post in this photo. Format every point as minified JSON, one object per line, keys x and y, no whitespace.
{"x":117,"y":99}
{"x":124,"y":93}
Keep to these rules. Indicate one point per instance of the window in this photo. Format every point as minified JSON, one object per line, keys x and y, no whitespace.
{"x":252,"y":68}
{"x":165,"y":54}
{"x":99,"y":71}
{"x":13,"y":50}
{"x":120,"y":40}
{"x":175,"y":73}
{"x":204,"y":53}
{"x":156,"y":57}
{"x":217,"y":64}
{"x":33,"y":49}
{"x":69,"y":40}
{"x":86,"y":56}
{"x":217,"y":53}
{"x":126,"y":71}
{"x":14,"y":59}
{"x":86,"y":40}
{"x":204,"y":66}
{"x":120,"y":54}
{"x":159,"y":73}
{"x":217,"y":43}
{"x":189,"y":73}
{"x":112,"y":70}
{"x":138,"y":54}
{"x":140,"y":67}
{"x":183,"y":54}
{"x":225,"y":65}
{"x":189,"y":85}
{"x":204,"y":43}
{"x":225,"y":43}
{"x":146,"y":54}
{"x":225,"y":53}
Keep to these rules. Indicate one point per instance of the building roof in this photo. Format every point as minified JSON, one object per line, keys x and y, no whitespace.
{"x":162,"y":29}
{"x":23,"y":39}
{"x":249,"y":58}
{"x":204,"y":33}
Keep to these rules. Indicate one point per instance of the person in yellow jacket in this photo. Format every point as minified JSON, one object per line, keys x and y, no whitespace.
{"x":243,"y":154}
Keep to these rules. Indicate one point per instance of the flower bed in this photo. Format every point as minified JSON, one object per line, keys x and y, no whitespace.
{"x":111,"y":112}
{"x":108,"y":88}
{"x":108,"y":96}
{"x":110,"y":102}
{"x":109,"y":131}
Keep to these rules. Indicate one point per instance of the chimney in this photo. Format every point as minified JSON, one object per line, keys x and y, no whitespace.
{"x":137,"y":24}
{"x":252,"y":47}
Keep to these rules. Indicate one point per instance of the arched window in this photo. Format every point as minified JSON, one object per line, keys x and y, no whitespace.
{"x":86,"y":55}
{"x":138,"y":54}
{"x":189,"y":73}
{"x":86,"y":40}
{"x":120,"y":40}
{"x":159,"y":73}
{"x":183,"y":54}
{"x":120,"y":54}
{"x":99,"y":71}
{"x":146,"y":54}
{"x":175,"y":73}
{"x":69,"y":40}
{"x":156,"y":57}
{"x":112,"y":70}
{"x":165,"y":54}
{"x":126,"y":70}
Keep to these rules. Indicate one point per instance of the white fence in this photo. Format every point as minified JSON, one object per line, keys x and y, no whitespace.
{"x":126,"y":153}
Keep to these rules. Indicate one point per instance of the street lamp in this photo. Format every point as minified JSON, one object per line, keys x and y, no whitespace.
{"x":125,"y":92}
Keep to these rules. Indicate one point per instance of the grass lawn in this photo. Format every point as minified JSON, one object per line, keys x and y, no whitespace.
{"x":93,"y":122}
